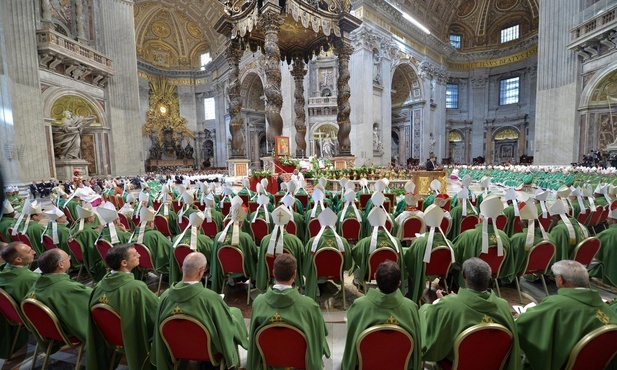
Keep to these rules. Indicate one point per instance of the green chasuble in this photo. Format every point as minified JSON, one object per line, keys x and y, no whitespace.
{"x":94,"y":265}
{"x":159,"y":246}
{"x":63,"y":235}
{"x":71,"y":206}
{"x":290,"y":307}
{"x":443,"y":321}
{"x":430,"y":200}
{"x":247,"y":246}
{"x":548,"y":332}
{"x":136,"y":305}
{"x":293,"y":245}
{"x":7,"y":222}
{"x":414,"y":263}
{"x":123,"y":236}
{"x":563,"y":245}
{"x":361,"y":250}
{"x":327,"y":239}
{"x":456,"y":214}
{"x":469,"y":244}
{"x":521,"y":251}
{"x":217,"y":218}
{"x":607,"y":255}
{"x":16,"y":281}
{"x":68,"y":299}
{"x":377,"y":308}
{"x":225,"y":325}
{"x":509,"y":213}
{"x":34,"y":234}
{"x":204,"y":246}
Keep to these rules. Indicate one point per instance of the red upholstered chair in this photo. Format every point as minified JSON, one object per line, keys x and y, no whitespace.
{"x":586,"y":250}
{"x":109,"y":324}
{"x":23,"y":238}
{"x":546,"y":222}
{"x":282,"y":345}
{"x":594,"y":218}
{"x":162,"y":225}
{"x":12,"y":313}
{"x":199,"y":206}
{"x":176,"y":329}
{"x":350,"y":230}
{"x":49,"y":329}
{"x":582,"y":217}
{"x":225,"y":208}
{"x":364,"y":198}
{"x":495,"y":262}
{"x":260,"y":229}
{"x":314,"y":226}
{"x":378,"y":256}
{"x":613,"y":205}
{"x":447,"y":205}
{"x":48,"y":242}
{"x":291,"y":227}
{"x":391,"y":197}
{"x":118,"y":201}
{"x":388,"y":224}
{"x":304,"y":199}
{"x":387,"y":206}
{"x":103,"y":246}
{"x":518,"y":228}
{"x":146,"y":262}
{"x":277,"y":199}
{"x":183,"y":223}
{"x":245,"y":198}
{"x":177,"y":206}
{"x":328,"y":263}
{"x":439,"y":266}
{"x":538,"y":262}
{"x":469,"y":222}
{"x":494,"y":336}
{"x":595,"y":350}
{"x":180,"y":253}
{"x":412,"y":226}
{"x":209,"y":228}
{"x":231,"y":260}
{"x":124,"y":221}
{"x":78,"y":255}
{"x":156,"y":204}
{"x":252,"y":206}
{"x":445,"y":225}
{"x":372,"y":341}
{"x":136,"y":220}
{"x":501,"y":221}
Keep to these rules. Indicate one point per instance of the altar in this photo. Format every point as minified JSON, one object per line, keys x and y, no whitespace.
{"x":422,"y":179}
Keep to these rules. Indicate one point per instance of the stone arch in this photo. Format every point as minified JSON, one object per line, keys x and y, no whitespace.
{"x":252,"y":89}
{"x":81,"y":100}
{"x":505,"y":141}
{"x":597,"y":112}
{"x":457,"y":151}
{"x":319,"y":131}
{"x":406,"y":83}
{"x":587,"y":95}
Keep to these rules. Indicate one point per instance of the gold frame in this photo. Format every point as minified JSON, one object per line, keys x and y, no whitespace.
{"x":582,"y":343}
{"x":368,"y":331}
{"x":200,"y":325}
{"x":473,"y":329}
{"x":279,"y":325}
{"x":282,"y":143}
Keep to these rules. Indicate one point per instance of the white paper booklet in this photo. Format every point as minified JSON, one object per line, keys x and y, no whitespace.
{"x":522,"y":309}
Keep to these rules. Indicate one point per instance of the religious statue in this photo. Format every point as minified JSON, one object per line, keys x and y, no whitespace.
{"x":188,"y":151}
{"x":67,"y":135}
{"x":377,"y":145}
{"x":327,"y":147}
{"x":431,"y":143}
{"x":156,"y":151}
{"x":179,"y":152}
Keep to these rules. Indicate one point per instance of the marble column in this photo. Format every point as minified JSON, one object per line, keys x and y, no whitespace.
{"x":521,"y":138}
{"x":236,"y":124}
{"x":298,"y":74}
{"x":467,"y":144}
{"x":489,"y":143}
{"x":25,"y":155}
{"x":343,"y":51}
{"x":117,"y":36}
{"x":271,"y":21}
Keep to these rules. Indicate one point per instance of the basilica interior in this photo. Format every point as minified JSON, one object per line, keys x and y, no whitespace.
{"x":178,"y":83}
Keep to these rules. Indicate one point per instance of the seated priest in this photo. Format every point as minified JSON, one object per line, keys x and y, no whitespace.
{"x":195,"y":240}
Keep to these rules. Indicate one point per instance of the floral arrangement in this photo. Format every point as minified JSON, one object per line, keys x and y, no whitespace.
{"x":288,"y":161}
{"x":261,"y":174}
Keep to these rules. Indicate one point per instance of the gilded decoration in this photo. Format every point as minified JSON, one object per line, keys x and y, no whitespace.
{"x":77,"y":106}
{"x":164,"y":125}
{"x":605,"y":89}
{"x":455,"y":137}
{"x":507,"y":134}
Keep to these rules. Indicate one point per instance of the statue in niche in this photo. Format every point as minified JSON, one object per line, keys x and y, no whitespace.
{"x":188,"y":151}
{"x":377,"y":145}
{"x":431,"y":143}
{"x":327,"y":147}
{"x":156,"y":151}
{"x":376,"y":67}
{"x":67,"y":143}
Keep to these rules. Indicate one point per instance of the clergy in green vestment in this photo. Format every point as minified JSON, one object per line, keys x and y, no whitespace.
{"x":458,"y":213}
{"x":157,"y":243}
{"x":409,"y":202}
{"x":283,"y":303}
{"x":377,"y":201}
{"x":533,"y":233}
{"x":385,"y":305}
{"x":418,"y":254}
{"x":435,"y":185}
{"x":234,"y":237}
{"x":607,"y":255}
{"x":548,"y":332}
{"x":66,"y":298}
{"x":195,"y":240}
{"x":28,"y":224}
{"x":135,"y":304}
{"x":16,"y":279}
{"x":189,"y":297}
{"x":513,"y":198}
{"x":275,"y":243}
{"x":475,"y":304}
{"x":298,"y":219}
{"x":7,"y":220}
{"x":326,"y":238}
{"x":113,"y":231}
{"x":86,"y":233}
{"x":57,"y":229}
{"x":378,"y":238}
{"x":566,"y":232}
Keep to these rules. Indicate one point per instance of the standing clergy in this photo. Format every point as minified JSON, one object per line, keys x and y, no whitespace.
{"x":283,"y":303}
{"x":133,"y":301}
{"x":190,"y":297}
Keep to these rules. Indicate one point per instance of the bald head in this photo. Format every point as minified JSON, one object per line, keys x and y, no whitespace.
{"x":193,"y":267}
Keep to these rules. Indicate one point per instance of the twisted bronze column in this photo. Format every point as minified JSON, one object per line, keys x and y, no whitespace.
{"x":271,"y":22}
{"x":343,"y":50}
{"x":236,"y":123}
{"x":298,"y":72}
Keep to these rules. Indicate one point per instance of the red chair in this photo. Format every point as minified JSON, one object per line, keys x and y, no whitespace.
{"x":372,"y":341}
{"x":125,"y":221}
{"x":594,"y":217}
{"x":538,"y":262}
{"x":119,"y":201}
{"x":291,"y":227}
{"x":175,"y":329}
{"x":103,"y":246}
{"x":582,"y":217}
{"x":494,"y":336}
{"x":364,"y":198}
{"x":146,"y":262}
{"x":162,"y":225}
{"x":183,"y":223}
{"x":388,"y":224}
{"x":231,"y":260}
{"x":277,"y":199}
{"x":49,"y":329}
{"x":412,"y":226}
{"x":391,"y":198}
{"x":546,"y":222}
{"x":517,"y":227}
{"x":328,"y":264}
{"x":495,"y":262}
{"x":387,"y":206}
{"x":209,"y":228}
{"x":260,"y":229}
{"x":469,"y":223}
{"x":501,"y":221}
{"x":180,"y":253}
{"x":109,"y":324}
{"x":200,"y":206}
{"x":304,"y":199}
{"x":613,"y":205}
{"x":245,"y":198}
{"x":48,"y":242}
{"x":177,"y":206}
{"x":24,"y":239}
{"x":225,"y":208}
{"x":156,"y":204}
{"x":78,"y":255}
{"x":136,"y":220}
{"x":253,"y":206}
{"x":282,"y":345}
{"x":445,"y":225}
{"x":586,"y":250}
{"x":12,"y":314}
{"x":350,"y":230}
{"x":378,"y":256}
{"x":439,"y":266}
{"x":595,"y":350}
{"x":314,"y":226}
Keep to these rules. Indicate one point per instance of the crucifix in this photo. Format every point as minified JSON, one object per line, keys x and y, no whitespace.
{"x":280,"y":215}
